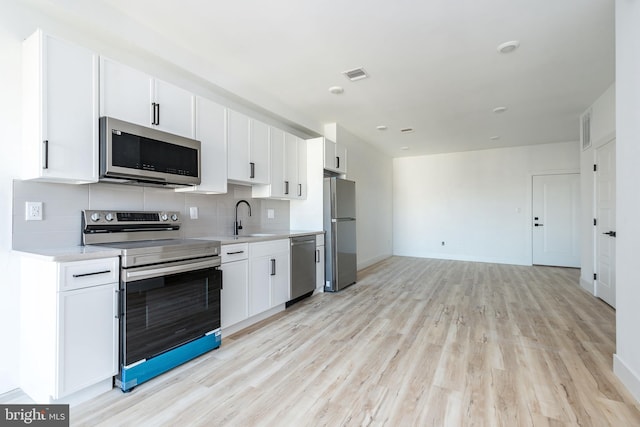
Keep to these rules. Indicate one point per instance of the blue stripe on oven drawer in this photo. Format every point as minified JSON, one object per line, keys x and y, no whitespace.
{"x":138,"y":373}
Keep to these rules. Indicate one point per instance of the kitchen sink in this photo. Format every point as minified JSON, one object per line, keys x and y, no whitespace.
{"x":260,"y":234}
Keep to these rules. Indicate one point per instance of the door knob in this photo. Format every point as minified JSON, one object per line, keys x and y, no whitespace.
{"x":610,"y":233}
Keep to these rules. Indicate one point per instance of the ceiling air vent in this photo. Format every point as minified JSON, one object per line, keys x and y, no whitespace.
{"x":356,"y":74}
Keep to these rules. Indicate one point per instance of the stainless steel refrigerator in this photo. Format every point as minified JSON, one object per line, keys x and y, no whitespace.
{"x":340,"y":229}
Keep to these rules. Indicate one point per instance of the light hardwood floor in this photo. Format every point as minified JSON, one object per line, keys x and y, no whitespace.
{"x":415,"y":342}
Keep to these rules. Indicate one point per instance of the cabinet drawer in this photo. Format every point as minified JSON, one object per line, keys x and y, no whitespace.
{"x":269,"y":248}
{"x":83,"y":274}
{"x":234,"y":252}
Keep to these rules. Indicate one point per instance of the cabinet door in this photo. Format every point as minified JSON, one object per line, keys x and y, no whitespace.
{"x":259,"y":152}
{"x":235,"y":282}
{"x":261,"y":269}
{"x":320,"y":267}
{"x":280,"y":288}
{"x":175,"y":109}
{"x":291,"y":164}
{"x":341,"y":159}
{"x":301,"y":190}
{"x":210,"y":131}
{"x":330,"y":162}
{"x":238,"y":146}
{"x":60,"y":111}
{"x":279,"y":188}
{"x":87,"y":337}
{"x":125,"y":93}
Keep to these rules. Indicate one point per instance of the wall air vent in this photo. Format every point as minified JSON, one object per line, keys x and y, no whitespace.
{"x":407,"y":130}
{"x":356,"y":74}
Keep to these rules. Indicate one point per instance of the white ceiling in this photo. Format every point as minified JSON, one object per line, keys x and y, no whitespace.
{"x":433,"y":63}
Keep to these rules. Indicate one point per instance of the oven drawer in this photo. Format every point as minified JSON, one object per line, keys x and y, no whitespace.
{"x":234,"y":252}
{"x":84,"y":274}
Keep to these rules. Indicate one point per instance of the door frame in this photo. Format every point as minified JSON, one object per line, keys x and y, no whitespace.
{"x":594,"y":206}
{"x":529,"y":204}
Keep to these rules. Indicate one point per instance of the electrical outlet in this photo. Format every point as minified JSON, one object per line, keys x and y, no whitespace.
{"x":193,"y":212}
{"x":271,"y":214}
{"x":33,"y":211}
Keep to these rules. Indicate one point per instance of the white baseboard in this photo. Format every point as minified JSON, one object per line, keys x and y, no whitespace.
{"x":629,"y":378}
{"x":369,"y":262}
{"x":588,"y":286}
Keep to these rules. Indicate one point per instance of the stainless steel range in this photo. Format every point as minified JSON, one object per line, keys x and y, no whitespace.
{"x":169,"y":290}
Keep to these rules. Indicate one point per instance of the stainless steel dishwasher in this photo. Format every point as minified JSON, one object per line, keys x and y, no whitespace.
{"x":303,"y":267}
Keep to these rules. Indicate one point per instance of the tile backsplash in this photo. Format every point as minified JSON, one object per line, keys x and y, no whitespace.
{"x":63,"y":203}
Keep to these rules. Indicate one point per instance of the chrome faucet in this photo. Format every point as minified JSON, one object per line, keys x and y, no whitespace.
{"x":237,"y":225}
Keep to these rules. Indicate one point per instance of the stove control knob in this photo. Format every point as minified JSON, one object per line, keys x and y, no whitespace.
{"x":109,"y":217}
{"x":174,"y":217}
{"x":164,"y":217}
{"x":95,"y":217}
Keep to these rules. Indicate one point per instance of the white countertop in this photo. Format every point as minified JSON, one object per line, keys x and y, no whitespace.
{"x":82,"y":253}
{"x":69,"y":254}
{"x":261,"y":237}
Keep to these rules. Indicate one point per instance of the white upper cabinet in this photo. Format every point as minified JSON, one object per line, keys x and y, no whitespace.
{"x":302,"y":169}
{"x":279,"y":186}
{"x":288,"y":168}
{"x":211,"y":132}
{"x":335,"y":157}
{"x":133,"y":96}
{"x":248,"y":149}
{"x":60,"y":111}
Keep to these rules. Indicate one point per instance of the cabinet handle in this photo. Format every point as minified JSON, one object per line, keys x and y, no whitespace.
{"x":317,"y":256}
{"x":45,"y":161}
{"x":235,"y":253}
{"x":117,"y":304}
{"x":153,"y":111}
{"x":273,"y":267}
{"x":91,"y":274}
{"x":299,"y":190}
{"x":158,"y":114}
{"x":252,"y":173}
{"x":337,"y":162}
{"x":286,"y":187}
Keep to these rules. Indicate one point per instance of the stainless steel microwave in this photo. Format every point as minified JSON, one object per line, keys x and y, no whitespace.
{"x":135,"y":154}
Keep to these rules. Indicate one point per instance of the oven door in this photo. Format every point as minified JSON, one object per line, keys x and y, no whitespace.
{"x":167,"y":305}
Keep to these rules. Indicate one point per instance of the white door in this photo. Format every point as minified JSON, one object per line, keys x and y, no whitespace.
{"x":556,"y":203}
{"x":237,"y":146}
{"x":606,"y":223}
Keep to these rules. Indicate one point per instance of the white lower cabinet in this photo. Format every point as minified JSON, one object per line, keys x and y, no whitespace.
{"x":269,"y":275}
{"x":255,"y":280}
{"x":69,"y":328}
{"x":235,"y":284}
{"x":320,"y":262}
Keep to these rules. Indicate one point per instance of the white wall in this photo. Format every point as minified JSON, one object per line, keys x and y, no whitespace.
{"x":477,"y":202}
{"x":603,"y":126}
{"x":627,"y":357}
{"x":10,"y":135}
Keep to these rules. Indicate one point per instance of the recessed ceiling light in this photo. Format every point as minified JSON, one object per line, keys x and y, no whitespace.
{"x":336,"y":90}
{"x":499,"y":110}
{"x":356,"y":74}
{"x":381,"y":127}
{"x":495,"y":137}
{"x":407,"y":130}
{"x":405,"y":148}
{"x":508,"y":47}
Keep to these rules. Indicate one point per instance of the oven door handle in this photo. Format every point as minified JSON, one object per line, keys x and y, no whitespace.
{"x":141,"y":273}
